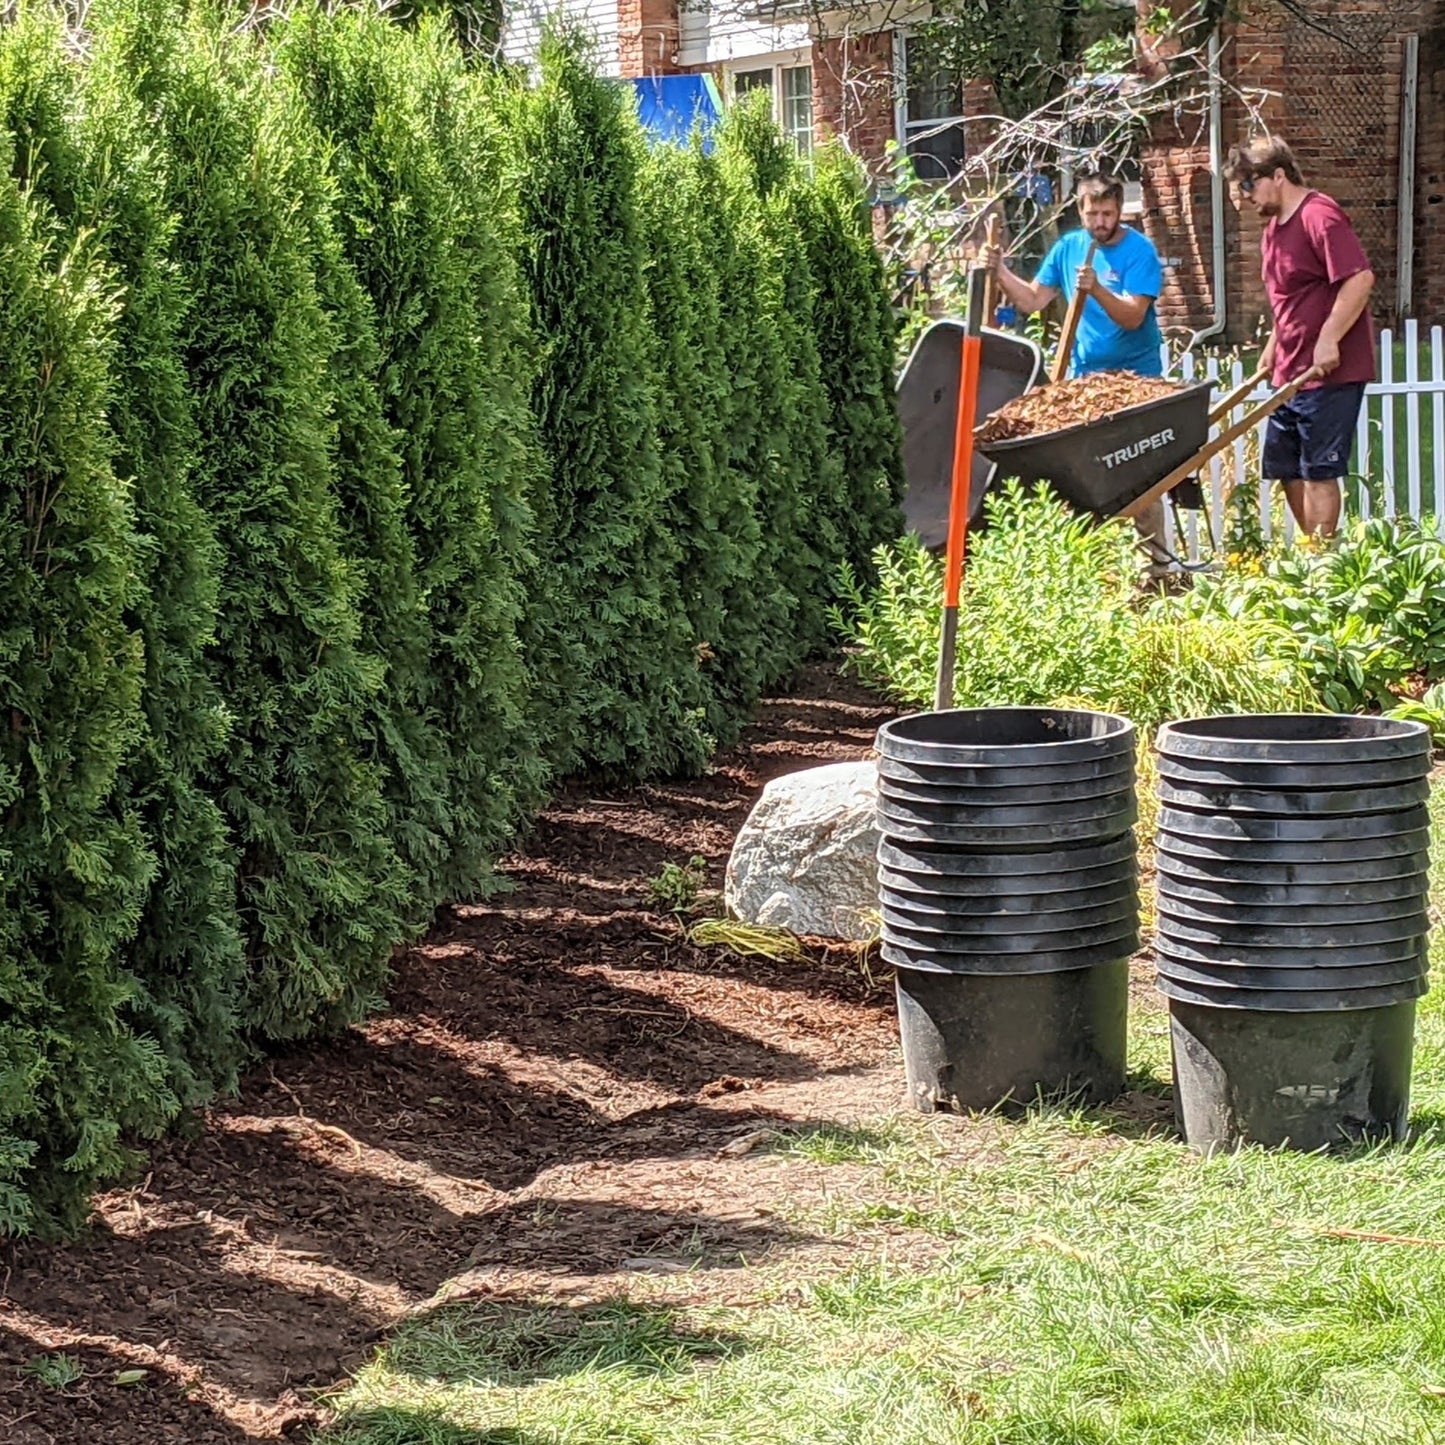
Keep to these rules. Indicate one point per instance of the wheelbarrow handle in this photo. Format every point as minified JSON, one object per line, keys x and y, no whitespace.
{"x":1237,"y":395}
{"x":1215,"y":445}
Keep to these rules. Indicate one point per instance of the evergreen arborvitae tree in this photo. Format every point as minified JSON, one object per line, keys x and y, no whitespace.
{"x":74,"y":867}
{"x":447,"y":323}
{"x":855,"y":329}
{"x":802,"y":510}
{"x":618,"y":660}
{"x":321,"y":893}
{"x":711,"y":500}
{"x":85,"y":149}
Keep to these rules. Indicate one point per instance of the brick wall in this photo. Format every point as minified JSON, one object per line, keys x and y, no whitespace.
{"x":854,"y":92}
{"x":1430,"y":171}
{"x":648,"y":36}
{"x":1335,"y":79}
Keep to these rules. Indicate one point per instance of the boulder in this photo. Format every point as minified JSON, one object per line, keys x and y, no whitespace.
{"x":806,"y":859}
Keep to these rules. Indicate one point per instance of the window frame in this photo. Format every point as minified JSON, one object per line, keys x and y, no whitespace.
{"x":778,"y":63}
{"x":902,"y":126}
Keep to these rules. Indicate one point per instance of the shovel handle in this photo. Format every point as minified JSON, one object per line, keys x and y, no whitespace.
{"x":1071,"y":325}
{"x":990,"y":286}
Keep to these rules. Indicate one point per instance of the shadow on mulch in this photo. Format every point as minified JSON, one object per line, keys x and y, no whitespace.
{"x":560,"y":1024}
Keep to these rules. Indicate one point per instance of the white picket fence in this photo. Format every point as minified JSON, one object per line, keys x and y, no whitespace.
{"x":1399,"y":461}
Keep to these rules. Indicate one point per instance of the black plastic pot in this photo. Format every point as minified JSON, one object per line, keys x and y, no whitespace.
{"x":1311,"y":802}
{"x":1015,"y":737}
{"x":1246,"y":891}
{"x":923,"y":957}
{"x":1245,"y":828}
{"x":1017,"y":892}
{"x":1011,"y":795}
{"x":1213,"y":772}
{"x":1307,"y":1081}
{"x":1228,"y":998}
{"x":1122,"y":928}
{"x":1108,"y":815}
{"x":1293,"y":932}
{"x":941,"y":771}
{"x":1292,"y":980}
{"x":948,"y":865}
{"x":1369,"y":858}
{"x":1214,"y":911}
{"x":903,"y":896}
{"x":972,"y":1042}
{"x":1346,"y":740}
{"x":1168,"y":944}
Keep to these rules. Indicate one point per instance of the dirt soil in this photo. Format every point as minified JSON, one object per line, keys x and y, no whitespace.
{"x":563,"y":1093}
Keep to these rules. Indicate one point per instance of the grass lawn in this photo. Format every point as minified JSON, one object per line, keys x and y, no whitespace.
{"x":1065,"y":1279}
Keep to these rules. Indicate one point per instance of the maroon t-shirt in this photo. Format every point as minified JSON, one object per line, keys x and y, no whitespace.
{"x":1306,"y":260}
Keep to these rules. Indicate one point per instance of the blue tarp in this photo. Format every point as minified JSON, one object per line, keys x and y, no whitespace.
{"x":669,"y":106}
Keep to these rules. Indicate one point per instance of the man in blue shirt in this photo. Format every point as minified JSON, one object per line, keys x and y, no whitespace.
{"x":1119,"y":327}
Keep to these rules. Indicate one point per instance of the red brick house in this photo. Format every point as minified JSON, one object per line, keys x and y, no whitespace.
{"x":1356,"y":85}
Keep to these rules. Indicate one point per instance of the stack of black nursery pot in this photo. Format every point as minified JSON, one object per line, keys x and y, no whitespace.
{"x":1009,"y":893}
{"x":1292,"y":897}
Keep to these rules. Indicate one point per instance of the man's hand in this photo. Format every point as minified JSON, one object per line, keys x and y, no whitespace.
{"x":1266,"y":357}
{"x":1086,"y":280}
{"x":993,"y":259}
{"x":1327,"y":355}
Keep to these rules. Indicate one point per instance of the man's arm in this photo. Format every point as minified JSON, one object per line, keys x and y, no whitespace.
{"x":1126,"y":312}
{"x":1028,"y":296}
{"x":1350,"y":301}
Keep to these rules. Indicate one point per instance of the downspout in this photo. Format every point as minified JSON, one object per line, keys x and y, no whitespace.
{"x":1216,"y":194}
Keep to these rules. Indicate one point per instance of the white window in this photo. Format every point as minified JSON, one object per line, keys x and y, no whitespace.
{"x":930,"y":111}
{"x":790,"y":88}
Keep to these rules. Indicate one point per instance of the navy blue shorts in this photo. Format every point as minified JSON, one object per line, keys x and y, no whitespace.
{"x":1312,"y":437}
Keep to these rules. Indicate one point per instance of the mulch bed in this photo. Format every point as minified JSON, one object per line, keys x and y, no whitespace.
{"x":563,"y":1030}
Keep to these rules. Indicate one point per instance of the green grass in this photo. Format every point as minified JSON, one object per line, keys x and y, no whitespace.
{"x":1068,"y":1278}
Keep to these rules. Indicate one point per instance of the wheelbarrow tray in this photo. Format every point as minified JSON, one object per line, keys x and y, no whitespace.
{"x":927,"y":395}
{"x":1101,"y":466}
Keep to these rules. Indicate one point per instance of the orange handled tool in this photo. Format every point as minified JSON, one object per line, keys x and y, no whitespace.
{"x":961,"y":497}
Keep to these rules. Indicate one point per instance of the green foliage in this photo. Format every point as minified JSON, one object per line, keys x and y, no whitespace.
{"x":56,"y":1372}
{"x":1050,"y":612}
{"x":321,"y":891}
{"x":621,"y":689}
{"x":675,"y":888}
{"x":1363,"y":615}
{"x":74,"y":865}
{"x":403,"y":136}
{"x":376,"y":436}
{"x":855,"y":331}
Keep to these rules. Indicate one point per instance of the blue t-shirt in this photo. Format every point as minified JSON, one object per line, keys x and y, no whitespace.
{"x":1131,"y":267}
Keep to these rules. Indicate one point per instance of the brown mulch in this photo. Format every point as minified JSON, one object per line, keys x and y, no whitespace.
{"x":550,"y":1100}
{"x":1072,"y":403}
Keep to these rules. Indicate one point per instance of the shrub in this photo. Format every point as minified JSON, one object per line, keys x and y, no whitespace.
{"x":74,"y":866}
{"x":321,"y":892}
{"x":620,"y":679}
{"x":460,"y":758}
{"x":1050,"y":613}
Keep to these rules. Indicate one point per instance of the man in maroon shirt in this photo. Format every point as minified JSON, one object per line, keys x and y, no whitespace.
{"x":1318,"y":281}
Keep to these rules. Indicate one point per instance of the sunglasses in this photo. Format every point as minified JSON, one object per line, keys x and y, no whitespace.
{"x":1246,"y":188}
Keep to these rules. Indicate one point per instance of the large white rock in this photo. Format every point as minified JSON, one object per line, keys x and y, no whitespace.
{"x":805,"y":860}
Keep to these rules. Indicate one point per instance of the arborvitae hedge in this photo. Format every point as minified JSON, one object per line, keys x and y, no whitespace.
{"x":629,"y":696}
{"x":380,"y":436}
{"x":321,"y":892}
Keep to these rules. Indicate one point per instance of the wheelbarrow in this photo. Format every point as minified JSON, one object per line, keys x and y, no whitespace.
{"x":927,"y":395}
{"x":1117,"y":465}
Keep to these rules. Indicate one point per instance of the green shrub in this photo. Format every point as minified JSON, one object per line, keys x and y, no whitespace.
{"x":1050,"y":613}
{"x":617,"y":660}
{"x":321,"y":892}
{"x":461,"y":763}
{"x":856,"y":334}
{"x":74,"y":866}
